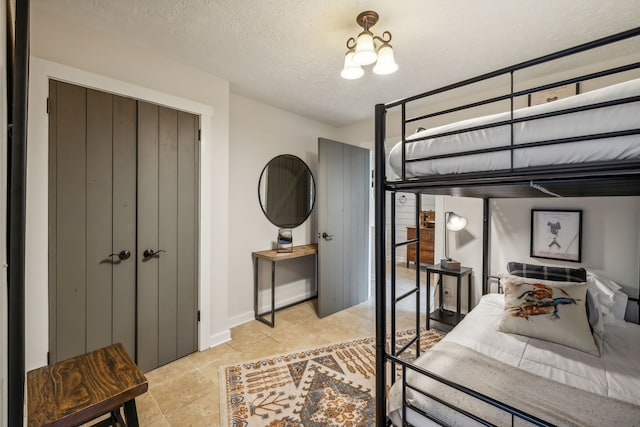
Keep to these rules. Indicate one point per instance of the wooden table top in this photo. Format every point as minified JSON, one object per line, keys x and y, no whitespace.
{"x":430,"y":224}
{"x":297,"y":252}
{"x":79,"y":389}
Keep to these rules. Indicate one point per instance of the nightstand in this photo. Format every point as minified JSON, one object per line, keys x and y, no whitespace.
{"x":440,"y":314}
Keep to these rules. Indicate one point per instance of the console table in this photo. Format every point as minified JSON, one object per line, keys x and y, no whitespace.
{"x":82,"y":388}
{"x":275,"y":256}
{"x":441,"y":315}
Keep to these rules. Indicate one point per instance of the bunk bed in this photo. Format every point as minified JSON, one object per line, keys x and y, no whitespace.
{"x":595,"y":141}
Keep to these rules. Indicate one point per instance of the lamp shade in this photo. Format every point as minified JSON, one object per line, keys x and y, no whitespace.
{"x":386,"y":63}
{"x":365,"y":50}
{"x":351,"y":70}
{"x":456,"y":222}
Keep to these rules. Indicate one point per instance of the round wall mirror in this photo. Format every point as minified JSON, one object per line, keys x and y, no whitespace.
{"x":286,"y":191}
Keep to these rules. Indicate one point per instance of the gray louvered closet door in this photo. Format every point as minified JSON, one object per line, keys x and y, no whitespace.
{"x":123,"y":179}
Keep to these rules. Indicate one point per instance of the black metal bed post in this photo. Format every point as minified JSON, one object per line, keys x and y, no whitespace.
{"x":485,"y":245}
{"x":16,"y":217}
{"x":381,"y":322}
{"x":511,"y":128}
{"x":417,"y":265}
{"x":393,"y":246}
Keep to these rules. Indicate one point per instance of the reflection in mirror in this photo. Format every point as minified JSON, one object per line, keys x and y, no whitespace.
{"x":286,"y":191}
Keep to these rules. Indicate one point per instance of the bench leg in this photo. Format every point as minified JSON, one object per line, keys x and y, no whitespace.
{"x":117,"y":417}
{"x":130,"y":413}
{"x":114,"y":420}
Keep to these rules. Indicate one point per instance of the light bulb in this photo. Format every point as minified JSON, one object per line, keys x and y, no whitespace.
{"x":386,"y":63}
{"x":365,"y":50}
{"x":456,"y":222}
{"x":351,"y":70}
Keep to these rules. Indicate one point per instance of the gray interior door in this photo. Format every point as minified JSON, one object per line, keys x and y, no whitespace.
{"x":91,"y":215}
{"x":167,"y":226}
{"x":123,"y":180}
{"x":343,"y":223}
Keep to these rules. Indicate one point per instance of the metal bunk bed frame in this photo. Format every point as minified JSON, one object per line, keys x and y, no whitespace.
{"x":610,"y":178}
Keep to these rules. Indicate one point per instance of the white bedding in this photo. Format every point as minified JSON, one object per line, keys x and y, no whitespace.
{"x":616,"y":374}
{"x":614,"y":118}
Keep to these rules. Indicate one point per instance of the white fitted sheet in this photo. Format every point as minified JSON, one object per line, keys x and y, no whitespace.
{"x":615,"y":374}
{"x":614,"y":118}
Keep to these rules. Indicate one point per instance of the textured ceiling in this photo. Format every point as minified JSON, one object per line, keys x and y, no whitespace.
{"x":288,"y":53}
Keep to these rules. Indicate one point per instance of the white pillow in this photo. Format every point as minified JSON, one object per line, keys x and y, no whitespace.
{"x":605,"y":286}
{"x":614,"y":315}
{"x":612,"y":302}
{"x":595,"y":317}
{"x":547,"y":310}
{"x":605,"y":280}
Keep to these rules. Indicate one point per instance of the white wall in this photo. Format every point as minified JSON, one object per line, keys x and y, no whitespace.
{"x":610,"y":230}
{"x":95,"y":60}
{"x":258,"y":133}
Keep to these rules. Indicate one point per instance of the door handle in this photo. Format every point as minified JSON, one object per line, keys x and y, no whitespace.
{"x":327,"y":237}
{"x":122,"y":255}
{"x":149,"y":253}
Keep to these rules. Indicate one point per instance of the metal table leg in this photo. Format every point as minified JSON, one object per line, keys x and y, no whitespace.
{"x":255,"y":287}
{"x":273,"y":293}
{"x":428,"y":322}
{"x":440,"y":293}
{"x":458,"y":302}
{"x":469,"y":293}
{"x":260,"y":316}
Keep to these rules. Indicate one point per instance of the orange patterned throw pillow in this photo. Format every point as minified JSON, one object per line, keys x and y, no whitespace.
{"x":547,"y":310}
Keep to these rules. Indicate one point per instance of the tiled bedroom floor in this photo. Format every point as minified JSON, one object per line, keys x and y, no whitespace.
{"x":186,"y":392}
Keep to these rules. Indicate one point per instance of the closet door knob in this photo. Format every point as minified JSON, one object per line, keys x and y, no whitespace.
{"x":122,"y":255}
{"x":327,"y":237}
{"x":149,"y":253}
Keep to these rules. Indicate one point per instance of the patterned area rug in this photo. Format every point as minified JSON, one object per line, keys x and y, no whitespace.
{"x":332,"y":385}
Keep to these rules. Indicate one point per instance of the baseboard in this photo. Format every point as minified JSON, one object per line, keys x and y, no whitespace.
{"x":285,"y":302}
{"x":216,"y":339}
{"x":280,"y":303}
{"x":240,"y":319}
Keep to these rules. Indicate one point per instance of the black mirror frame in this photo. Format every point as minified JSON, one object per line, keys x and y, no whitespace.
{"x":313,"y":188}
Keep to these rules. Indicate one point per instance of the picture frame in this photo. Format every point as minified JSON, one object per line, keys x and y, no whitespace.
{"x":550,"y":95}
{"x":556,"y":234}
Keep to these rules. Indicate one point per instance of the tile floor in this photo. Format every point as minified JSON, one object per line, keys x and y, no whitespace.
{"x":186,"y":392}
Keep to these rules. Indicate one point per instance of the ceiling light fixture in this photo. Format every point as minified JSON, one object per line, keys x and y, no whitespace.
{"x":364,"y":51}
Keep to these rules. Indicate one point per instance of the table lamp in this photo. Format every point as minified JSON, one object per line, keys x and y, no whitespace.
{"x":452,"y":222}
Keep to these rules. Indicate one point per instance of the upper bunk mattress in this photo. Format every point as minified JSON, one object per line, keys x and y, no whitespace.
{"x":595,"y":121}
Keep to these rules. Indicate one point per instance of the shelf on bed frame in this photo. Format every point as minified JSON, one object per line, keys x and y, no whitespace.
{"x":604,"y":179}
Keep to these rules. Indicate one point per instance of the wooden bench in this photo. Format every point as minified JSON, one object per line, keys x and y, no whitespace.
{"x":77,"y":390}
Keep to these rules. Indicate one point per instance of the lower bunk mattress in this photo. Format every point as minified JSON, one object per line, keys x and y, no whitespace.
{"x":558,"y":384}
{"x":621,"y":117}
